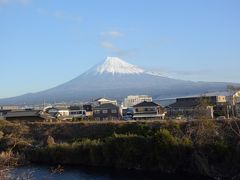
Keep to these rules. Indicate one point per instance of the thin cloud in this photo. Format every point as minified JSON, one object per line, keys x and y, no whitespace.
{"x":183,"y":73}
{"x":21,"y":2}
{"x":59,"y":15}
{"x":107,"y":43}
{"x":130,"y":53}
{"x":65,"y":16}
{"x":115,"y":33}
{"x":118,"y":51}
{"x":109,"y":46}
{"x":112,"y":34}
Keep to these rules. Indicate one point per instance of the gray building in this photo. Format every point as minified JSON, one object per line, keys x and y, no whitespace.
{"x":106,"y":112}
{"x":190,"y":107}
{"x":148,"y":110}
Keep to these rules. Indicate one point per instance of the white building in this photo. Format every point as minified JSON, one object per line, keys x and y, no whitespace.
{"x":130,"y":101}
{"x":101,"y":101}
{"x":55,"y":112}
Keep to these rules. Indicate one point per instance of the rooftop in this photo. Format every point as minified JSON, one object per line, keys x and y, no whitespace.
{"x":146,"y":104}
{"x":106,"y":106}
{"x":22,"y":114}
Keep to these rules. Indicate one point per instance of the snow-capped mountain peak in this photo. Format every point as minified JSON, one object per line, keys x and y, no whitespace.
{"x":115,"y":65}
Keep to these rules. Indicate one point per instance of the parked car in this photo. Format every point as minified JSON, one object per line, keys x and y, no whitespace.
{"x":128,"y":117}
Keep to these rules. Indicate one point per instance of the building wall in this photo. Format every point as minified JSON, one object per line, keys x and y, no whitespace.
{"x":106,"y":114}
{"x":190,"y":112}
{"x":130,"y":101}
{"x":211,"y":100}
{"x":148,"y":112}
{"x":139,"y":110}
{"x":221,"y":99}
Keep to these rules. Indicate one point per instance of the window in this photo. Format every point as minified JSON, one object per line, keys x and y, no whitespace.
{"x":97,"y":111}
{"x":114,"y":111}
{"x":105,"y":111}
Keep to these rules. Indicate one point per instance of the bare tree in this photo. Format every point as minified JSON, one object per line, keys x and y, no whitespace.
{"x":233,"y":123}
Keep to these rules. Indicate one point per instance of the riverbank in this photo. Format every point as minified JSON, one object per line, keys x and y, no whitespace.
{"x":203,"y":147}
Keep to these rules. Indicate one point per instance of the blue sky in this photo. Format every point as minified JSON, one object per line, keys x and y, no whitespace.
{"x":44,"y":43}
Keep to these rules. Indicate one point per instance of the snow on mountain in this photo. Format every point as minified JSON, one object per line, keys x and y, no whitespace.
{"x":153,"y":73}
{"x":115,"y":65}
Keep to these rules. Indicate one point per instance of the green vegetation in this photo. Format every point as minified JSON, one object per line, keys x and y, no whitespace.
{"x":203,"y":147}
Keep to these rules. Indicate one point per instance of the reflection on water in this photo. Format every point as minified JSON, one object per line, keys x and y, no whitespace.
{"x":74,"y":173}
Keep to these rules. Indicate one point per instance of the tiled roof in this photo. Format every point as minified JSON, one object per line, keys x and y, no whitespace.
{"x":184,"y":104}
{"x":106,"y":106}
{"x":13,"y":114}
{"x":146,"y":104}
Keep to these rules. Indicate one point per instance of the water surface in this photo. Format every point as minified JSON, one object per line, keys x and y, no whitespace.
{"x":77,"y":173}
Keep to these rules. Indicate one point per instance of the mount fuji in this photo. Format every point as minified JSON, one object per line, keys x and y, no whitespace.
{"x":115,"y":78}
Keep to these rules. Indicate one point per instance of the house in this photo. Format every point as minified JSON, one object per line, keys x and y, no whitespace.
{"x":101,"y":101}
{"x":148,"y":110}
{"x":232,"y":97}
{"x":24,"y":115}
{"x":106,"y":112}
{"x":130,"y":101}
{"x":190,"y":106}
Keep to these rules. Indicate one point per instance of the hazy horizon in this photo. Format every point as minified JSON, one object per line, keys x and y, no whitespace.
{"x":47,"y":43}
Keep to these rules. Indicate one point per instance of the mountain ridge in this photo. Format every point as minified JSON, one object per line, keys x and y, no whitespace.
{"x":116,"y":79}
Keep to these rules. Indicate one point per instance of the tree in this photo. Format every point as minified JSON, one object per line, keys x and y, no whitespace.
{"x":232,"y":90}
{"x":233,"y":124}
{"x":203,"y":109}
{"x":204,"y":128}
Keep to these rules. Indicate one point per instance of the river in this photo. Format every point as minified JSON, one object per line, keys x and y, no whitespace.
{"x":76,"y":173}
